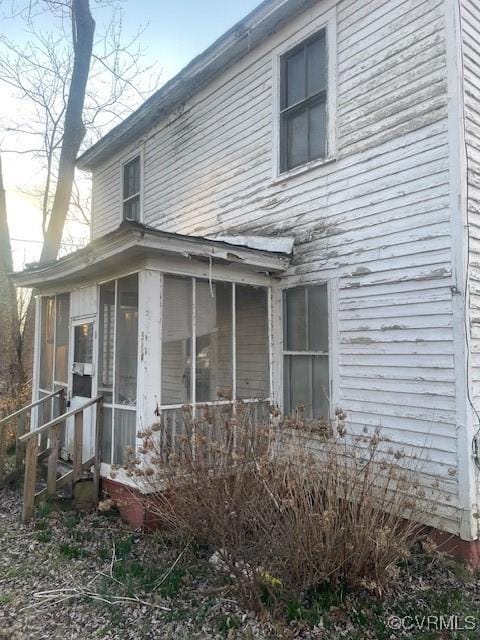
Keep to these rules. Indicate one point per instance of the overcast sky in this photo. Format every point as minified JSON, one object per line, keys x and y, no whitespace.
{"x":175,"y":32}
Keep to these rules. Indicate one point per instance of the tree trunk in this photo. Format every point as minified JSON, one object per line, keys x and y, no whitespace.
{"x":10,"y":368}
{"x":83,"y":29}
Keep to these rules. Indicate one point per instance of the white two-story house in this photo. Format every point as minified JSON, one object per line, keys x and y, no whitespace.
{"x":294,"y":218}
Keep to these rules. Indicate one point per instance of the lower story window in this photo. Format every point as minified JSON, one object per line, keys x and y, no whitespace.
{"x":306,"y":353}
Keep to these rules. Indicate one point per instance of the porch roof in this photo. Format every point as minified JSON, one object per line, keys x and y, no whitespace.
{"x":133,"y":240}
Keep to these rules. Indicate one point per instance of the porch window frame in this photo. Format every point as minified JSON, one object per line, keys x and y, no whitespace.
{"x":138,"y":153}
{"x":193,"y":401}
{"x":38,"y":369}
{"x":115,"y":405}
{"x":331,"y":354}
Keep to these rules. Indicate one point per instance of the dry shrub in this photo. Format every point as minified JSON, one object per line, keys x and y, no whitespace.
{"x":19,"y":396}
{"x":287,"y":506}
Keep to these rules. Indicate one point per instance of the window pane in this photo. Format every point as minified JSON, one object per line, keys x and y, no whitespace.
{"x":297,"y":139}
{"x":317,"y":65}
{"x":176,"y":340}
{"x":131,"y":178}
{"x":62,"y":322}
{"x":131,"y":209}
{"x":127,"y":341}
{"x":106,"y":340}
{"x":46,"y":342}
{"x":124,"y":435}
{"x":213,"y":341}
{"x":317,"y":318}
{"x":317,"y":124}
{"x":83,"y":345}
{"x":298,"y":384}
{"x":106,"y":436}
{"x":321,"y":377}
{"x":252,"y":349}
{"x":82,"y":385}
{"x":295,"y":78}
{"x":295,"y":323}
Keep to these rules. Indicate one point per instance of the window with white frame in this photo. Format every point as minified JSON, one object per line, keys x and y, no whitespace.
{"x":215,"y":345}
{"x":306,"y":352}
{"x":131,"y":189}
{"x":303,"y":102}
{"x":53,"y":351}
{"x":117,"y":366}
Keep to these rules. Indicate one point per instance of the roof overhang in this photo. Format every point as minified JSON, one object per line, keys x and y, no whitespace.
{"x":133,"y":241}
{"x":244,"y":36}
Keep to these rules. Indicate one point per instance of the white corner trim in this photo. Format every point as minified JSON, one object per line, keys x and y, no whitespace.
{"x":467,"y":475}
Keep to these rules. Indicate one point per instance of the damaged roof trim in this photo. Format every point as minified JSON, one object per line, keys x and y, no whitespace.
{"x":232,"y":46}
{"x":133,"y":237}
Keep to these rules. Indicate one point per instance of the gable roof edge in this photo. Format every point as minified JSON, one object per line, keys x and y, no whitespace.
{"x":235,"y":43}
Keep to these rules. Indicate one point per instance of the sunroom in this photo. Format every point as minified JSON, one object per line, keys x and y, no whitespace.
{"x":151,"y":321}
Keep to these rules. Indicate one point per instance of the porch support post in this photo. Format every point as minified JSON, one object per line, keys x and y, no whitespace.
{"x":276,"y":344}
{"x":150,"y":346}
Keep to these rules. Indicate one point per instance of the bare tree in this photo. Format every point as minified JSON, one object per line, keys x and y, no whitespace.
{"x":10,"y":369}
{"x":77,"y":85}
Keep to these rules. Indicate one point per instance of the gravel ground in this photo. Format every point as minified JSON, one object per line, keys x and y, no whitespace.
{"x":70,"y":576}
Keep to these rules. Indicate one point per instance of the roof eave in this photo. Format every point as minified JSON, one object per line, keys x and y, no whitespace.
{"x":233,"y":45}
{"x":125,"y":241}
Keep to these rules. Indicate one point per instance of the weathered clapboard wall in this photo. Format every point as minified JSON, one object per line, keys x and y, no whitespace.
{"x":470,"y":21}
{"x":375,"y":222}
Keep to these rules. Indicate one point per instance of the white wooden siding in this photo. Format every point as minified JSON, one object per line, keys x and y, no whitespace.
{"x":377,"y":219}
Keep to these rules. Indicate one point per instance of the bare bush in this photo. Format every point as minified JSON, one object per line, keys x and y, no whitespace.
{"x":286,"y":506}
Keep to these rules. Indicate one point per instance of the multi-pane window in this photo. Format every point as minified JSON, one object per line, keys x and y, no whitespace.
{"x":117,"y":366}
{"x":303,"y":108}
{"x":306,"y":365}
{"x":226,"y":327}
{"x":131,"y":189}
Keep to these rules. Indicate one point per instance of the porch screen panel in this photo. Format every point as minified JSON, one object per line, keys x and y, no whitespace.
{"x":62,"y":323}
{"x":124,"y":434}
{"x":252,"y":346}
{"x":213,"y":362}
{"x":176,"y":340}
{"x":47,"y":341}
{"x":127,"y":342}
{"x":106,"y":341}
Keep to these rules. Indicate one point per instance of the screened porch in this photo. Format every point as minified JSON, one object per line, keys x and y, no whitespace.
{"x":214,"y":350}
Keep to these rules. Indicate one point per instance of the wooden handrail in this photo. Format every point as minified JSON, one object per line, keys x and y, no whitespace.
{"x":32,"y":405}
{"x":48,"y":425}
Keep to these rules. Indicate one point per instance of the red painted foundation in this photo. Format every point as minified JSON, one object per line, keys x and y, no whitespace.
{"x":467,"y":551}
{"x":132,"y":504}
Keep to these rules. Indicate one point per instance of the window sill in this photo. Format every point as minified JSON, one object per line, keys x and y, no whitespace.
{"x":304,"y":168}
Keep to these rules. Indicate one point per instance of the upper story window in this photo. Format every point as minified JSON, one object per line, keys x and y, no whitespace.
{"x":131,"y":189}
{"x":303,"y":102}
